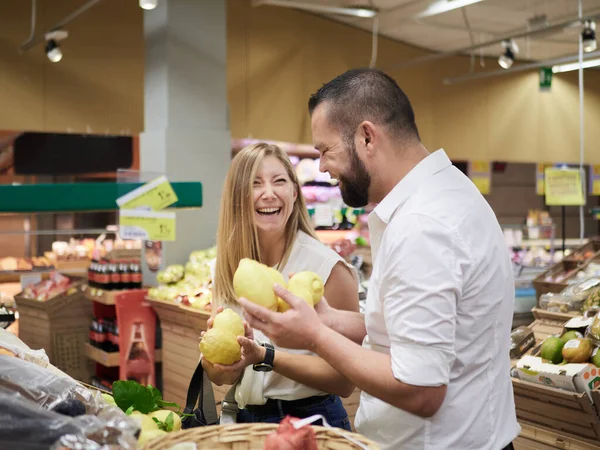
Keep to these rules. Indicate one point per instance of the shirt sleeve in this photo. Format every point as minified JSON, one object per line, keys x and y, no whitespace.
{"x":421,"y":284}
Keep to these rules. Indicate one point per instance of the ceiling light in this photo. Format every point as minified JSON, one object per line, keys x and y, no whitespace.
{"x":443,"y":6}
{"x":575,"y":66}
{"x":507,"y":59}
{"x":53,"y":51}
{"x":352,"y":11}
{"x":148,"y":4}
{"x":588,"y":36}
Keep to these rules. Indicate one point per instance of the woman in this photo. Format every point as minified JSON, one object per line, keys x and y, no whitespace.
{"x":263,"y":216}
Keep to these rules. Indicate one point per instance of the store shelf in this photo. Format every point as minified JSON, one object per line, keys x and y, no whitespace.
{"x":547,"y":242}
{"x":15,"y":276}
{"x":111,"y":359}
{"x":101,"y":296}
{"x":77,"y":197}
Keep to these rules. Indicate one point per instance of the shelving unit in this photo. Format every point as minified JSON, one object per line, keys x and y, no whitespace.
{"x":111,"y":359}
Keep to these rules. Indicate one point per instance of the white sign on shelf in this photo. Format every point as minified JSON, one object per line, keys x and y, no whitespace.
{"x":323,"y":215}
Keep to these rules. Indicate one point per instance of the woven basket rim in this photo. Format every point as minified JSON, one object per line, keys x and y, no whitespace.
{"x":250,"y":432}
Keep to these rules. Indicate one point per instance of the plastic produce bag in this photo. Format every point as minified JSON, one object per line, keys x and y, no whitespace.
{"x":45,"y":387}
{"x":25,"y":425}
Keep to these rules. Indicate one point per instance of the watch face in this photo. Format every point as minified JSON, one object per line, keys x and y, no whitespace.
{"x":260,"y":367}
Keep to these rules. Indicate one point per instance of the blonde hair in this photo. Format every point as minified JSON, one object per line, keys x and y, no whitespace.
{"x":237,"y":237}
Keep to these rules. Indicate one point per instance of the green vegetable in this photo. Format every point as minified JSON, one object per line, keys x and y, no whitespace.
{"x":167,"y":425}
{"x":145,"y":399}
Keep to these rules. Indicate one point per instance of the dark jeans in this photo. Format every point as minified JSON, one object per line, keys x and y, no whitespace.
{"x":274,"y":411}
{"x":509,"y":447}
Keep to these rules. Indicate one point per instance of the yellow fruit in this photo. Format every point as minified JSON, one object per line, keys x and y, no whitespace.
{"x":220,"y":347}
{"x":162,"y":416}
{"x":108,"y":398}
{"x":148,"y":435}
{"x":310,"y":282}
{"x":253,"y":282}
{"x":577,"y":350}
{"x":275,"y":276}
{"x":146,"y":423}
{"x":229,"y":321}
{"x":300,"y":291}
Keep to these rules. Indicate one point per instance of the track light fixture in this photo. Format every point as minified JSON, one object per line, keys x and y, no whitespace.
{"x":53,"y":51}
{"x":148,"y":4}
{"x":507,"y":59}
{"x":588,"y":36}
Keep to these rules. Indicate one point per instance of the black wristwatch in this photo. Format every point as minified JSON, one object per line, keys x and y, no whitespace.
{"x":267,"y":364}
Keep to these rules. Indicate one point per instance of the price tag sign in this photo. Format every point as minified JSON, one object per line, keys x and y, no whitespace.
{"x":564,"y":187}
{"x":595,"y":180}
{"x":480,"y":173}
{"x":147,"y":225}
{"x":155,"y":195}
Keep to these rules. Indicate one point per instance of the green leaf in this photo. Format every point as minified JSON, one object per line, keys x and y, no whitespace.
{"x":130,"y":393}
{"x":130,"y":410}
{"x":165,"y":405}
{"x":169,"y":422}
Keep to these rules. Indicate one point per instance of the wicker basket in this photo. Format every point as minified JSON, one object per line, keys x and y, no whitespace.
{"x":252,"y":436}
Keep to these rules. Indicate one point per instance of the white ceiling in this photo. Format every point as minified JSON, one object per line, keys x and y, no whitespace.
{"x":488,"y":20}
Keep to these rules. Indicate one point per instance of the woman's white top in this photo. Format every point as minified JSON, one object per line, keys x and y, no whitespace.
{"x":308,"y":254}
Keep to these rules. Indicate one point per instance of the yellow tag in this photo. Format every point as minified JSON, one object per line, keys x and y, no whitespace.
{"x":480,"y":167}
{"x":147,"y":225}
{"x":482,"y":183}
{"x":564,"y":188}
{"x":156,"y":195}
{"x":596,"y":187}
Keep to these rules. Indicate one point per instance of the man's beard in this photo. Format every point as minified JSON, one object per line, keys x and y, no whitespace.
{"x":355,"y":183}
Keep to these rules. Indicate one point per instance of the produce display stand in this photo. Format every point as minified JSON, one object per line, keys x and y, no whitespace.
{"x":535,"y":437}
{"x":60,"y":326}
{"x":181,"y":327}
{"x":558,"y":410}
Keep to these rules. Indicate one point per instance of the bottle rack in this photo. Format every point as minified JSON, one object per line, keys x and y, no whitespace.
{"x":131,"y":311}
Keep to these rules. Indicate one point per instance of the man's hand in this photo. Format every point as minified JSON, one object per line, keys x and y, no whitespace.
{"x":297,"y":328}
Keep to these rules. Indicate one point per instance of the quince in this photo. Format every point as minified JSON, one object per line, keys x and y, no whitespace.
{"x":228,"y":320}
{"x":219,"y":346}
{"x":253,"y":281}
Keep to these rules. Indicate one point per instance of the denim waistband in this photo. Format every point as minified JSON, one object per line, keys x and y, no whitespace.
{"x":275,"y":404}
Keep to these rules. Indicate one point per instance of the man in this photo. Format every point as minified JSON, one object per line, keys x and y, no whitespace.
{"x":434,"y":362}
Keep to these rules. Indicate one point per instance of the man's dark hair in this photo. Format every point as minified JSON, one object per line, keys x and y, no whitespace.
{"x":366,"y":94}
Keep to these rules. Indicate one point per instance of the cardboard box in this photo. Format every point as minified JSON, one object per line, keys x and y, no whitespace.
{"x":582,"y":378}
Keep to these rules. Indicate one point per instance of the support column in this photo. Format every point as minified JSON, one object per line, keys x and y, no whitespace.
{"x":186,"y":127}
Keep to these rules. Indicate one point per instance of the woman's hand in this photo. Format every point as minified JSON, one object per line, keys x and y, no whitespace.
{"x":252,"y":353}
{"x":220,"y":374}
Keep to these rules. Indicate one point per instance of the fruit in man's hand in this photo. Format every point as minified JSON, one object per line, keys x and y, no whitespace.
{"x":220,"y":347}
{"x":228,"y":320}
{"x":253,"y":281}
{"x":307,"y":281}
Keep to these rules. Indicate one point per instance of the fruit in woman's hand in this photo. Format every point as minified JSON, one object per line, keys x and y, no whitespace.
{"x":163,"y":414}
{"x":253,"y":282}
{"x":307,"y":281}
{"x":229,"y":320}
{"x":220,"y":347}
{"x":577,"y":350}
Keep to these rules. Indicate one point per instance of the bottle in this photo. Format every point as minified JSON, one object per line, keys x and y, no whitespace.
{"x":100,"y":334}
{"x":115,"y":277}
{"x":102,"y":278}
{"x":91,"y":274}
{"x":125,"y":272}
{"x":115,"y":336}
{"x":136,"y":274}
{"x":94,"y":333}
{"x":137,"y":365}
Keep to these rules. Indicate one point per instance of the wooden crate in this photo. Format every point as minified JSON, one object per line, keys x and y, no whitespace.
{"x":181,"y":328}
{"x":543,"y":287}
{"x":592,"y":246}
{"x":534,"y":437}
{"x":557,"y":409}
{"x":61,"y":327}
